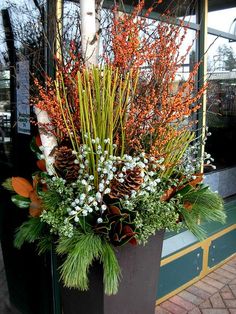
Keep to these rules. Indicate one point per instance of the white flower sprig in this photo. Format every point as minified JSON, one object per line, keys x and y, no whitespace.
{"x":85,"y":196}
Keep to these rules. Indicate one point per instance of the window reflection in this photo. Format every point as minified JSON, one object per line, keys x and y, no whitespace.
{"x":5,"y":115}
{"x":221,"y":103}
{"x":216,"y":21}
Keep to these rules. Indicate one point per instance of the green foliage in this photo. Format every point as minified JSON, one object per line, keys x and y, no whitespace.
{"x":44,"y":244}
{"x":20,"y":201}
{"x":29,"y":231}
{"x":104,"y":95}
{"x":35,"y":149}
{"x":192,"y":224}
{"x":175,"y":150}
{"x":7,"y":185}
{"x":81,"y":251}
{"x":50,"y":199}
{"x":111,"y":269}
{"x":154,"y":214}
{"x":55,"y":213}
{"x":205,"y":206}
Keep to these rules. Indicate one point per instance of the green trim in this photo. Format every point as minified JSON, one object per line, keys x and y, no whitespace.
{"x":202,"y":11}
{"x":195,"y":259}
{"x":172,"y":275}
{"x":221,"y":248}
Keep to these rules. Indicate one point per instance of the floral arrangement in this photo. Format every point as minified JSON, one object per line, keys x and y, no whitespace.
{"x":126,"y":162}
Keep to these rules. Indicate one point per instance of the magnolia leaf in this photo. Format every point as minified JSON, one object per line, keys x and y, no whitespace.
{"x":188,"y":205}
{"x":168,"y":194}
{"x":8,"y":185}
{"x":21,"y":186}
{"x":34,"y":145}
{"x":41,"y":164}
{"x":185,"y":190}
{"x":197,"y":180}
{"x":38,"y":141}
{"x":35,"y":210}
{"x":36,"y":205}
{"x":114,"y":210}
{"x":20,"y":201}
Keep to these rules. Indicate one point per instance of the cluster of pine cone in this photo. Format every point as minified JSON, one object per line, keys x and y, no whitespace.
{"x":67,"y":168}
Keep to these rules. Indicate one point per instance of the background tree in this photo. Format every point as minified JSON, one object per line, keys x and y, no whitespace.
{"x":228,"y":57}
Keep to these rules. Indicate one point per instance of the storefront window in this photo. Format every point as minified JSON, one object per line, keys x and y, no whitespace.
{"x":5,"y":114}
{"x":216,"y":21}
{"x":221,"y":102}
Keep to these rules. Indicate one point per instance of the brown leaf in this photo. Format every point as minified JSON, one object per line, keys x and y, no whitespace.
{"x":21,"y":186}
{"x":199,"y":178}
{"x":33,"y":196}
{"x":168,"y":194}
{"x":133,"y":241}
{"x":38,"y":140}
{"x":188,"y":205}
{"x":41,"y":164}
{"x":35,"y":208}
{"x":128,"y":230}
{"x":114,"y":209}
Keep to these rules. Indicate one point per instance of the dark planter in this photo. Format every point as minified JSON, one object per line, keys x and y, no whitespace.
{"x":28,"y":275}
{"x":137,"y":290}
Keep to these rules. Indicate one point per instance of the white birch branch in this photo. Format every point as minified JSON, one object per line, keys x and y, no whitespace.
{"x":90,"y":20}
{"x":90,"y":28}
{"x":48,"y":140}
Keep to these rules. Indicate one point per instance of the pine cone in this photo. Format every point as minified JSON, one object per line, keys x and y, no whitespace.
{"x":132,"y":182}
{"x":65,"y":163}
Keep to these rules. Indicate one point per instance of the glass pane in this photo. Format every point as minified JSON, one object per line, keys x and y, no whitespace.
{"x":177,"y":7}
{"x":222,"y":19}
{"x":5,"y":115}
{"x":221,"y":102}
{"x":5,"y":112}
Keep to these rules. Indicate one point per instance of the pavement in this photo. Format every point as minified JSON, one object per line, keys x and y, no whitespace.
{"x":214,"y":294}
{"x":5,"y":306}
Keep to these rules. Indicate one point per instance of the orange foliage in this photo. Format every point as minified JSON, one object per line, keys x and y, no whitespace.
{"x":158,"y":112}
{"x":41,"y":164}
{"x":136,"y":42}
{"x":24,"y":188}
{"x":188,"y":205}
{"x":21,"y":186}
{"x":38,"y":140}
{"x":35,"y":208}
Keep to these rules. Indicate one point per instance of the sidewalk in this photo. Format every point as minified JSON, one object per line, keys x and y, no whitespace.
{"x":5,"y":307}
{"x":214,"y":294}
{"x":3,"y":286}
